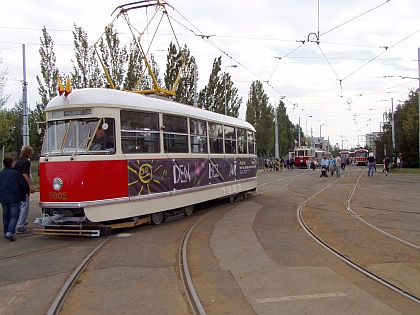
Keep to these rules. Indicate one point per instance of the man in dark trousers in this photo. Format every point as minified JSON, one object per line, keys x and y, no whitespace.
{"x":23,"y":165}
{"x":13,"y":190}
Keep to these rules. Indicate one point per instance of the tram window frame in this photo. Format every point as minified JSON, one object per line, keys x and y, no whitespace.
{"x":251,"y":141}
{"x":230,"y":139}
{"x":216,"y":138}
{"x":241,"y":138}
{"x":175,"y":133}
{"x":139,"y":132}
{"x":198,"y":136}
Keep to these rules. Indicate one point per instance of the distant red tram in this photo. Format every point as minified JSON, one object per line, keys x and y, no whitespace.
{"x":361,"y":156}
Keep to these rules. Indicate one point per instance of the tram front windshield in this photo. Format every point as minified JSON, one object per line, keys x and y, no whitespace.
{"x":79,"y":136}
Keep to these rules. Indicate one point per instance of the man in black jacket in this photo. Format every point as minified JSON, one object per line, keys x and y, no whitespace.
{"x":13,"y":190}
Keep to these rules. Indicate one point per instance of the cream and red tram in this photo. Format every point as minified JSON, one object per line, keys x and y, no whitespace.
{"x":155,"y":159}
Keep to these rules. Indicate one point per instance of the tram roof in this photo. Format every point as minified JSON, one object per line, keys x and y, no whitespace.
{"x":129,"y":100}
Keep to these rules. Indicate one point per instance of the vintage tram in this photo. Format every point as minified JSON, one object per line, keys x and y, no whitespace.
{"x":360,"y":157}
{"x":113,"y":159}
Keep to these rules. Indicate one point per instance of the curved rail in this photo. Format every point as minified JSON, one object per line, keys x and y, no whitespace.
{"x":350,"y":210}
{"x":62,"y":295}
{"x":187,"y":283}
{"x":344,"y":257}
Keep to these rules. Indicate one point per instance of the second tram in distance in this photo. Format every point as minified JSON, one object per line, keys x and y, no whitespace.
{"x":111,"y":156}
{"x":360,"y":157}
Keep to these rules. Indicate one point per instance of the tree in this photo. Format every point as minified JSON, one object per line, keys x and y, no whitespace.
{"x":114,"y":56}
{"x":3,"y":80}
{"x":14,"y":139}
{"x":209,"y":97}
{"x":6,"y":124}
{"x":406,"y":118}
{"x":212,"y":97}
{"x":134,"y":69}
{"x":47,"y":86}
{"x":261,"y":116}
{"x":285,"y":130}
{"x":86,"y":72}
{"x":185,"y":89}
{"x":407,"y":130}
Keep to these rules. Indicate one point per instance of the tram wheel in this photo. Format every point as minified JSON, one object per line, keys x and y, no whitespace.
{"x":189,"y":210}
{"x":232,"y":199}
{"x":157,"y":217}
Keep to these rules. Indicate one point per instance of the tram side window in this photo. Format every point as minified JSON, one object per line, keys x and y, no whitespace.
{"x":140,"y":132}
{"x":216,"y":138}
{"x":242,"y":147}
{"x":175,"y":135}
{"x":251,"y":142}
{"x":198,"y":131}
{"x":230,"y":140}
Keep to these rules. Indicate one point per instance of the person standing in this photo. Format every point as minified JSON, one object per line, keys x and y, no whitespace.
{"x":386,"y":165}
{"x":338,"y":165}
{"x":400,"y":161}
{"x":13,"y":190}
{"x":23,"y":165}
{"x":371,"y":164}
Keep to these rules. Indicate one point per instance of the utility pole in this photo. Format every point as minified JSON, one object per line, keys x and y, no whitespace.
{"x":25,"y":125}
{"x":418,"y":97}
{"x":392,"y":123}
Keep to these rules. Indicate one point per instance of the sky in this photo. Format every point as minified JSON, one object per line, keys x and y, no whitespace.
{"x":339,"y":64}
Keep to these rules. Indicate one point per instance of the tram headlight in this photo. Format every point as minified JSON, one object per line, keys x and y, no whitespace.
{"x":57,"y":183}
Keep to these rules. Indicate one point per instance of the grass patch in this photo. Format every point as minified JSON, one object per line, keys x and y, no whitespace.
{"x":78,"y":281}
{"x":34,"y":173}
{"x":406,"y":171}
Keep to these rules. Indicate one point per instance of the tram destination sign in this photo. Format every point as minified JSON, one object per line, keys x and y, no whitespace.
{"x":78,"y":112}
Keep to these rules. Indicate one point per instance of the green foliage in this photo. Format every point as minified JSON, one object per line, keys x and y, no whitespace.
{"x":47,"y":86}
{"x":212,"y":97}
{"x":3,"y":80}
{"x":114,"y":56}
{"x":185,"y":89}
{"x":285,"y":129}
{"x":261,"y":116}
{"x":134,"y":68}
{"x":406,"y":118}
{"x":86,"y":72}
{"x":209,"y":97}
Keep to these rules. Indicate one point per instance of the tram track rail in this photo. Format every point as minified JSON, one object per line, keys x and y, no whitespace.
{"x":65,"y":290}
{"x":186,"y":279}
{"x":35,"y":252}
{"x":342,"y":256}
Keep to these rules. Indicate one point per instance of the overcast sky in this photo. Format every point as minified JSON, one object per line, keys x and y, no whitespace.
{"x":338,"y":88}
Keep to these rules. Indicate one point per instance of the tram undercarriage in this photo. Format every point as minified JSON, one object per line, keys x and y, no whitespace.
{"x":73,"y":222}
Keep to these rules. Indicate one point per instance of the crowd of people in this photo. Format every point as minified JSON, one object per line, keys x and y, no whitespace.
{"x":15,"y":188}
{"x":334,"y":165}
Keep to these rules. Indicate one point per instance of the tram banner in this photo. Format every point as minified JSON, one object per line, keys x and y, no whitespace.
{"x":156,"y":176}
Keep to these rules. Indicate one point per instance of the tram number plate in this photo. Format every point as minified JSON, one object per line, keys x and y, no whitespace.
{"x":58,"y":195}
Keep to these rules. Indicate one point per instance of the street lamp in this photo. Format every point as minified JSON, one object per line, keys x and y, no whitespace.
{"x":224,"y":79}
{"x":276,"y":129}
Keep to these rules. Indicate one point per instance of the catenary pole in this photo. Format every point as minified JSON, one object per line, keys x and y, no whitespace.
{"x":418,"y":97}
{"x":25,"y":127}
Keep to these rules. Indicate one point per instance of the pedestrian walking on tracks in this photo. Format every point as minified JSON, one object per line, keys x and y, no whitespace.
{"x":338,"y":165}
{"x":386,"y":165}
{"x":371,"y":164}
{"x":13,"y":190}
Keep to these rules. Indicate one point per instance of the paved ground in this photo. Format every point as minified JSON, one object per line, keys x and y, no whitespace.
{"x":251,"y":257}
